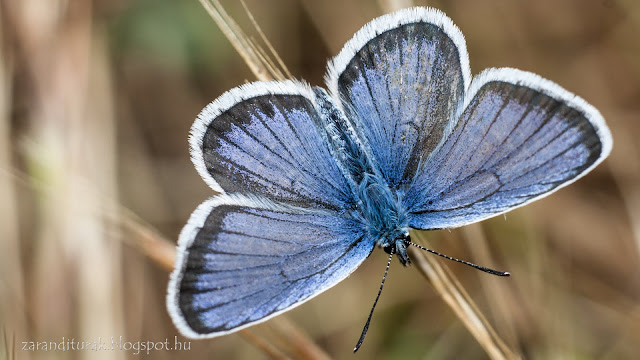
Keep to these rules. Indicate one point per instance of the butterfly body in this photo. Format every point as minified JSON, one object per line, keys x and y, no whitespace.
{"x":378,"y":207}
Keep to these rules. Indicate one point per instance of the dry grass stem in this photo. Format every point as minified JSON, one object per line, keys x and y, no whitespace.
{"x":13,"y":295}
{"x":264,"y":38}
{"x":263,"y":345}
{"x":263,"y":69}
{"x":296,"y":341}
{"x":452,"y":292}
{"x":477,"y":243}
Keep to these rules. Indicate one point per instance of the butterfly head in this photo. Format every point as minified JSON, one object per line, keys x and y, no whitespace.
{"x":398,"y":247}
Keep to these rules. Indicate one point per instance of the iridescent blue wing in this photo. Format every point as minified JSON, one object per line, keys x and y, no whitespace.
{"x":400,"y":80}
{"x":242,"y":260}
{"x":266,"y":138}
{"x":519,"y":138}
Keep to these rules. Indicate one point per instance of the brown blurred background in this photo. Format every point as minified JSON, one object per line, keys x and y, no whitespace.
{"x":96,"y":100}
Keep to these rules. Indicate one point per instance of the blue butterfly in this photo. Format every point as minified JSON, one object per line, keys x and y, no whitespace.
{"x":312,"y":181}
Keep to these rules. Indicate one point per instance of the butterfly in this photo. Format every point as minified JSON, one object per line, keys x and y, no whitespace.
{"x":311,"y":181}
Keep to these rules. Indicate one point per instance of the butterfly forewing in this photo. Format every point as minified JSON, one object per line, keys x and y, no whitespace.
{"x":519,"y":138}
{"x":263,"y":138}
{"x":401,"y":79}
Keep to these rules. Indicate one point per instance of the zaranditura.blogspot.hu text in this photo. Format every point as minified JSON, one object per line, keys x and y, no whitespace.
{"x":112,"y":343}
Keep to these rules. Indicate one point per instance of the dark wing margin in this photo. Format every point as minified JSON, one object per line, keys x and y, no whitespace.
{"x":266,"y":138}
{"x":400,"y":81}
{"x":519,"y":138}
{"x":244,"y":259}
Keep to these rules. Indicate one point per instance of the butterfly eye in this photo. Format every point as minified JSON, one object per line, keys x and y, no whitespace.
{"x":389,"y":249}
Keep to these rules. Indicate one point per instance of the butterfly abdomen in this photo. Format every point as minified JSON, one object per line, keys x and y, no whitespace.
{"x":342,"y":140}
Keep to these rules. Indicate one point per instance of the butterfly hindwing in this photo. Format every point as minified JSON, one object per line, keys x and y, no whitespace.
{"x":245,"y":259}
{"x":519,"y":138}
{"x":264,"y":138}
{"x":400,"y":80}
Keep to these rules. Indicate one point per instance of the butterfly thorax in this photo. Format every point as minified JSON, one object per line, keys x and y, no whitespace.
{"x":377,"y":205}
{"x":383,"y":215}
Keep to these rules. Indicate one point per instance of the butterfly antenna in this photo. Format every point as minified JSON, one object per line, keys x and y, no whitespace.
{"x":481,"y":268}
{"x":366,"y":326}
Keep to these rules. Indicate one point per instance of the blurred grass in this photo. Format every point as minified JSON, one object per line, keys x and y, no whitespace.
{"x":96,"y":99}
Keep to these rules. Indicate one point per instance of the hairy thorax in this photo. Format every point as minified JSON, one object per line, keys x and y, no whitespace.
{"x":384,"y":216}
